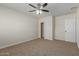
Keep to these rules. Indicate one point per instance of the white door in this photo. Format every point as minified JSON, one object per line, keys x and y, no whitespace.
{"x":65,"y":27}
{"x":70,"y":28}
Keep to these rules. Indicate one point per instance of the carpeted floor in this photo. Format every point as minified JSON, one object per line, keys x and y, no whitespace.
{"x":41,"y":47}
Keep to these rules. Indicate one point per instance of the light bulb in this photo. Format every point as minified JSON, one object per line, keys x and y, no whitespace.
{"x":38,"y":11}
{"x":41,"y":7}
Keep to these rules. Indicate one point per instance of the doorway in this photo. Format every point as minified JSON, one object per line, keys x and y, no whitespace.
{"x":42,"y":30}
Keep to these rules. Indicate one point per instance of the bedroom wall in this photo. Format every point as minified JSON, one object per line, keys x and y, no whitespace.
{"x":59,"y":27}
{"x":16,"y":27}
{"x":77,"y":25}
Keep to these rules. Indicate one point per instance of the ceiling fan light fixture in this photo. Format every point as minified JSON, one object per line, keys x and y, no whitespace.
{"x":39,"y":12}
{"x":39,"y":9}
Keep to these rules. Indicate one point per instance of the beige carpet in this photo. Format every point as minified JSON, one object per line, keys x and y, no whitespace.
{"x":41,"y":47}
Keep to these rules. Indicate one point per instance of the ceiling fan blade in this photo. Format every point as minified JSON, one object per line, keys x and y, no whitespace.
{"x":44,"y":5}
{"x":32,"y":10}
{"x":45,"y":10}
{"x":32,"y":5}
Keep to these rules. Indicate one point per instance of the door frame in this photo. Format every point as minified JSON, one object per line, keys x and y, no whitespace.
{"x":42,"y":29}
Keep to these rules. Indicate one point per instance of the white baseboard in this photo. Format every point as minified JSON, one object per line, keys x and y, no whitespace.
{"x":15,"y":44}
{"x":48,"y":39}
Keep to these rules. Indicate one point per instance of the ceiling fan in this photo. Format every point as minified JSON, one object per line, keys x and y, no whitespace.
{"x":39,"y":9}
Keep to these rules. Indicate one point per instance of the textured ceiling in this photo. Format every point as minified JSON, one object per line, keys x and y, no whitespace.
{"x":54,"y":8}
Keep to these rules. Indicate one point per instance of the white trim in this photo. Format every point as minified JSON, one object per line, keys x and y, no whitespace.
{"x":5,"y":46}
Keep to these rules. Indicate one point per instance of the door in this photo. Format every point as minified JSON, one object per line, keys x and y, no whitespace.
{"x":42,"y":30}
{"x":70,"y":28}
{"x":65,"y":28}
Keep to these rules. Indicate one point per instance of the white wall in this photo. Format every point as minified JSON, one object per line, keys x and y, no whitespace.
{"x":48,"y":27}
{"x":65,"y":27}
{"x":59,"y":27}
{"x":16,"y":27}
{"x":77,"y":25}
